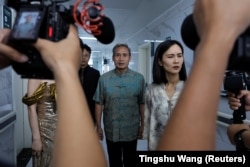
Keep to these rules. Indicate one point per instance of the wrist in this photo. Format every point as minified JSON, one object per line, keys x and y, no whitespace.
{"x":238,"y":139}
{"x":247,"y":107}
{"x":205,"y":57}
{"x":36,"y":138}
{"x":66,"y":72}
{"x":214,"y":42}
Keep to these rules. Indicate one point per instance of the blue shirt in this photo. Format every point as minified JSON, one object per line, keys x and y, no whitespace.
{"x":121,"y":95}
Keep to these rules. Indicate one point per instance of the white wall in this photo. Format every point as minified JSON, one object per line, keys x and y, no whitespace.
{"x":20,"y":114}
{"x":144,"y":62}
{"x":23,"y":134}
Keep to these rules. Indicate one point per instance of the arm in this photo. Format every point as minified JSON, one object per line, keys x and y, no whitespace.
{"x":142,"y":108}
{"x":74,"y":125}
{"x":147,"y":114}
{"x":72,"y":146}
{"x":98,"y":115}
{"x":140,"y":133}
{"x":33,"y":120}
{"x":7,"y":53}
{"x":192,"y":125}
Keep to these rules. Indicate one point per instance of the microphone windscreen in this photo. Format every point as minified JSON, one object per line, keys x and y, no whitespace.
{"x":188,"y":32}
{"x":107,"y":31}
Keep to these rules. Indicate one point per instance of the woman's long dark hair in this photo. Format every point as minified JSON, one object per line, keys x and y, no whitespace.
{"x":158,"y":71}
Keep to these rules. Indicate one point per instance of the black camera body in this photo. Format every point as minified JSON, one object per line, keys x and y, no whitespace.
{"x":240,"y":56}
{"x":35,"y":21}
{"x":234,"y":82}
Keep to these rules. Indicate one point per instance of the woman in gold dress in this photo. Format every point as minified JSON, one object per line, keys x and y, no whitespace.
{"x":40,"y":99}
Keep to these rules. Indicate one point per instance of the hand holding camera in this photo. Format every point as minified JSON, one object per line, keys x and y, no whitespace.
{"x":50,"y":20}
{"x":57,"y":59}
{"x":7,"y":53}
{"x":234,"y":100}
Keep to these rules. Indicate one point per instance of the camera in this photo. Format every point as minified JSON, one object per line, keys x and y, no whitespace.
{"x":240,"y":55}
{"x":38,"y":20}
{"x":50,"y":20}
{"x":234,"y":82}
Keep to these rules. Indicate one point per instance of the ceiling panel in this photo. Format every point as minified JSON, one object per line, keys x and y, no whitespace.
{"x":129,"y":17}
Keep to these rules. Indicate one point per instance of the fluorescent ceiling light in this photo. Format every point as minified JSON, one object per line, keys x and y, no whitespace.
{"x":88,"y":38}
{"x":158,"y":41}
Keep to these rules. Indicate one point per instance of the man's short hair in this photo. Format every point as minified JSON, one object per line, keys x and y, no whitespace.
{"x":121,"y":45}
{"x":85,"y":46}
{"x":28,"y":15}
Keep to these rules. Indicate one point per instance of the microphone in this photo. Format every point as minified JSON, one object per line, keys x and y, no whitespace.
{"x":107,"y":29}
{"x":94,"y":22}
{"x":188,"y":32}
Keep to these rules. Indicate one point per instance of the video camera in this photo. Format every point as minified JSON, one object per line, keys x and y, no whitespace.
{"x":239,"y":60}
{"x":240,"y":56}
{"x":50,"y":20}
{"x":235,"y":82}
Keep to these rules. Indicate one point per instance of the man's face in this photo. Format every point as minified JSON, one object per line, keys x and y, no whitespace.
{"x":85,"y":58}
{"x":28,"y":18}
{"x":121,"y":58}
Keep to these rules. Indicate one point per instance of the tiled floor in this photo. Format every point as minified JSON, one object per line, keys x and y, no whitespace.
{"x":141,"y":146}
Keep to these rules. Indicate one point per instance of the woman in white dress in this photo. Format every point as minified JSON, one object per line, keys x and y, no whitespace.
{"x":169,"y":74}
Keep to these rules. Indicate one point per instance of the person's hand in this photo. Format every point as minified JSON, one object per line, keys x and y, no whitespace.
{"x":140,"y":132}
{"x":223,"y":16}
{"x":100,"y":133}
{"x":234,"y":128}
{"x":234,"y":102}
{"x":7,"y":53}
{"x":36,"y":147}
{"x":64,"y":55}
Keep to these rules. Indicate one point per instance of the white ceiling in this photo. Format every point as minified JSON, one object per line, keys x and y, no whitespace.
{"x":129,"y":17}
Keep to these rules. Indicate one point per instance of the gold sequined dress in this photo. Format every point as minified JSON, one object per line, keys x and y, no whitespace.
{"x":44,"y":97}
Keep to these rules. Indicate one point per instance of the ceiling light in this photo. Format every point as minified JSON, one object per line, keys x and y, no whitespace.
{"x":157,"y":41}
{"x":88,"y":38}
